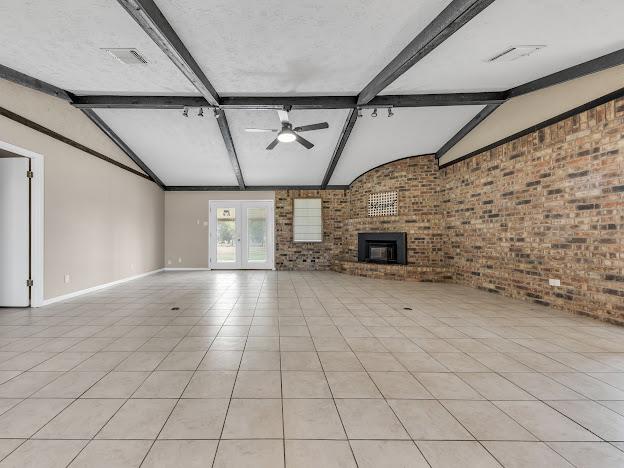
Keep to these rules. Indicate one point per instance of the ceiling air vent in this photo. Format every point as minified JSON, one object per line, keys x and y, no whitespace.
{"x":514,"y":53}
{"x":127,"y":56}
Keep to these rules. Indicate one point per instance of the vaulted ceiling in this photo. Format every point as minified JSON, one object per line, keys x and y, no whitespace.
{"x":349,"y":49}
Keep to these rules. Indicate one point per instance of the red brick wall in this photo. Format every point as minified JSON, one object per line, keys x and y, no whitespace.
{"x":345,"y":213}
{"x":548,"y":205}
{"x":291,"y":255}
{"x":417,"y":182}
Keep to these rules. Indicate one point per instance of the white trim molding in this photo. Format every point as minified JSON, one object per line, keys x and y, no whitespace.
{"x":36,"y":220}
{"x":186,"y":269}
{"x":71,"y":295}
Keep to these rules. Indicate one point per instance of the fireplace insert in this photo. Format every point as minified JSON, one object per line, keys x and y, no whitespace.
{"x":382,"y":247}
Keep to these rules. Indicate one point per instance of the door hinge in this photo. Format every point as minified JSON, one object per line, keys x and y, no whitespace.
{"x":29,"y":174}
{"x":29,"y":283}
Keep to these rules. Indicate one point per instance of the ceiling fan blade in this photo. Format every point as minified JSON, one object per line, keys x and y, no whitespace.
{"x":260,"y":130}
{"x":307,"y":128}
{"x":304,"y":142}
{"x":283,"y":115}
{"x":273,"y":144}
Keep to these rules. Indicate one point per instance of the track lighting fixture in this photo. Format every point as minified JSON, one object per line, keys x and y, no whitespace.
{"x":374,"y":114}
{"x":185,"y":112}
{"x":216,"y":113}
{"x":201,"y":112}
{"x":359,"y":111}
{"x":390,"y":113}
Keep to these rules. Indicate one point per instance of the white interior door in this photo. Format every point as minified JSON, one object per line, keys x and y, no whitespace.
{"x":14,"y":232}
{"x":241,"y":235}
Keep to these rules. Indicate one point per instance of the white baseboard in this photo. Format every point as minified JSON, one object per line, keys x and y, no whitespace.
{"x":64,"y":297}
{"x":186,"y":269}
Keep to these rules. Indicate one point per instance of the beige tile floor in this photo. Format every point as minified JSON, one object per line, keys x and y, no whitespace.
{"x":266,"y":369}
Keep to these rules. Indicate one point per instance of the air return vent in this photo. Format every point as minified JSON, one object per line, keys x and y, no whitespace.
{"x":127,"y":56}
{"x":514,"y":53}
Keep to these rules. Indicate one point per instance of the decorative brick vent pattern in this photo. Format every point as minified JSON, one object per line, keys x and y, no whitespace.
{"x":383,"y":204}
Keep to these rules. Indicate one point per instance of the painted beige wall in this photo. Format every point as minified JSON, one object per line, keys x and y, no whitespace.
{"x":524,"y":111}
{"x":187,"y":226}
{"x":102,"y":223}
{"x":58,"y":115}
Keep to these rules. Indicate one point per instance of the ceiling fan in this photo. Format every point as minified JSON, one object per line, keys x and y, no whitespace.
{"x":288,"y":134}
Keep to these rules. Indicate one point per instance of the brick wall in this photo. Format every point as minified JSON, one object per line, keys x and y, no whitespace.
{"x":547,"y":205}
{"x":345,"y":213}
{"x":291,"y":255}
{"x":417,"y":182}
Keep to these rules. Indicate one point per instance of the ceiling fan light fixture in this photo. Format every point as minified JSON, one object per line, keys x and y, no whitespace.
{"x":286,"y":136}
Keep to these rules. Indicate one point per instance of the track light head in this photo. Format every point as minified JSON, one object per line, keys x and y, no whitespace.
{"x":185,"y":112}
{"x":216,"y":113}
{"x":359,"y":112}
{"x":390,"y":113}
{"x":201,"y":112}
{"x":374,"y":114}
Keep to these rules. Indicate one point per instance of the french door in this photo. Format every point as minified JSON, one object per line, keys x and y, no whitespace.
{"x":241,"y":235}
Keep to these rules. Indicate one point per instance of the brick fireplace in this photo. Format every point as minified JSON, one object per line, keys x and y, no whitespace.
{"x":382,"y":247}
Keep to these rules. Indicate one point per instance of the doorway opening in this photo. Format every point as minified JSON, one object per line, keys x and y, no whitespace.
{"x":241,"y":235}
{"x":21,"y":227}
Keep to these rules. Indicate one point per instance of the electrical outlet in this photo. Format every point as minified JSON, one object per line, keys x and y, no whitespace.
{"x":198,"y":222}
{"x":179,"y":259}
{"x":169,"y":262}
{"x":67,"y":278}
{"x":554,"y":282}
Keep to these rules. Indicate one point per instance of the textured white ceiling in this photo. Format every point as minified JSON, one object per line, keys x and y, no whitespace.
{"x":296,"y":47}
{"x":301,"y":47}
{"x":574,"y":31}
{"x":410,"y":132}
{"x":180,"y":150}
{"x":287,"y":163}
{"x":60,"y":41}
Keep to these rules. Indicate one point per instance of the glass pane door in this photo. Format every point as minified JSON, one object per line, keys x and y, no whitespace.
{"x":225,"y":248}
{"x":226,"y":235}
{"x":241,"y":234}
{"x":257,"y":244}
{"x":257,"y":235}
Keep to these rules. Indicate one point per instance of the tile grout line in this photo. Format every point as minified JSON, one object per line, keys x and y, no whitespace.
{"x":149,"y":373}
{"x":328,"y":386}
{"x":359,"y":318}
{"x":214,"y":458}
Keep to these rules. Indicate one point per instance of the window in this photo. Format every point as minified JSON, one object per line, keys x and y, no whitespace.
{"x":307,"y":223}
